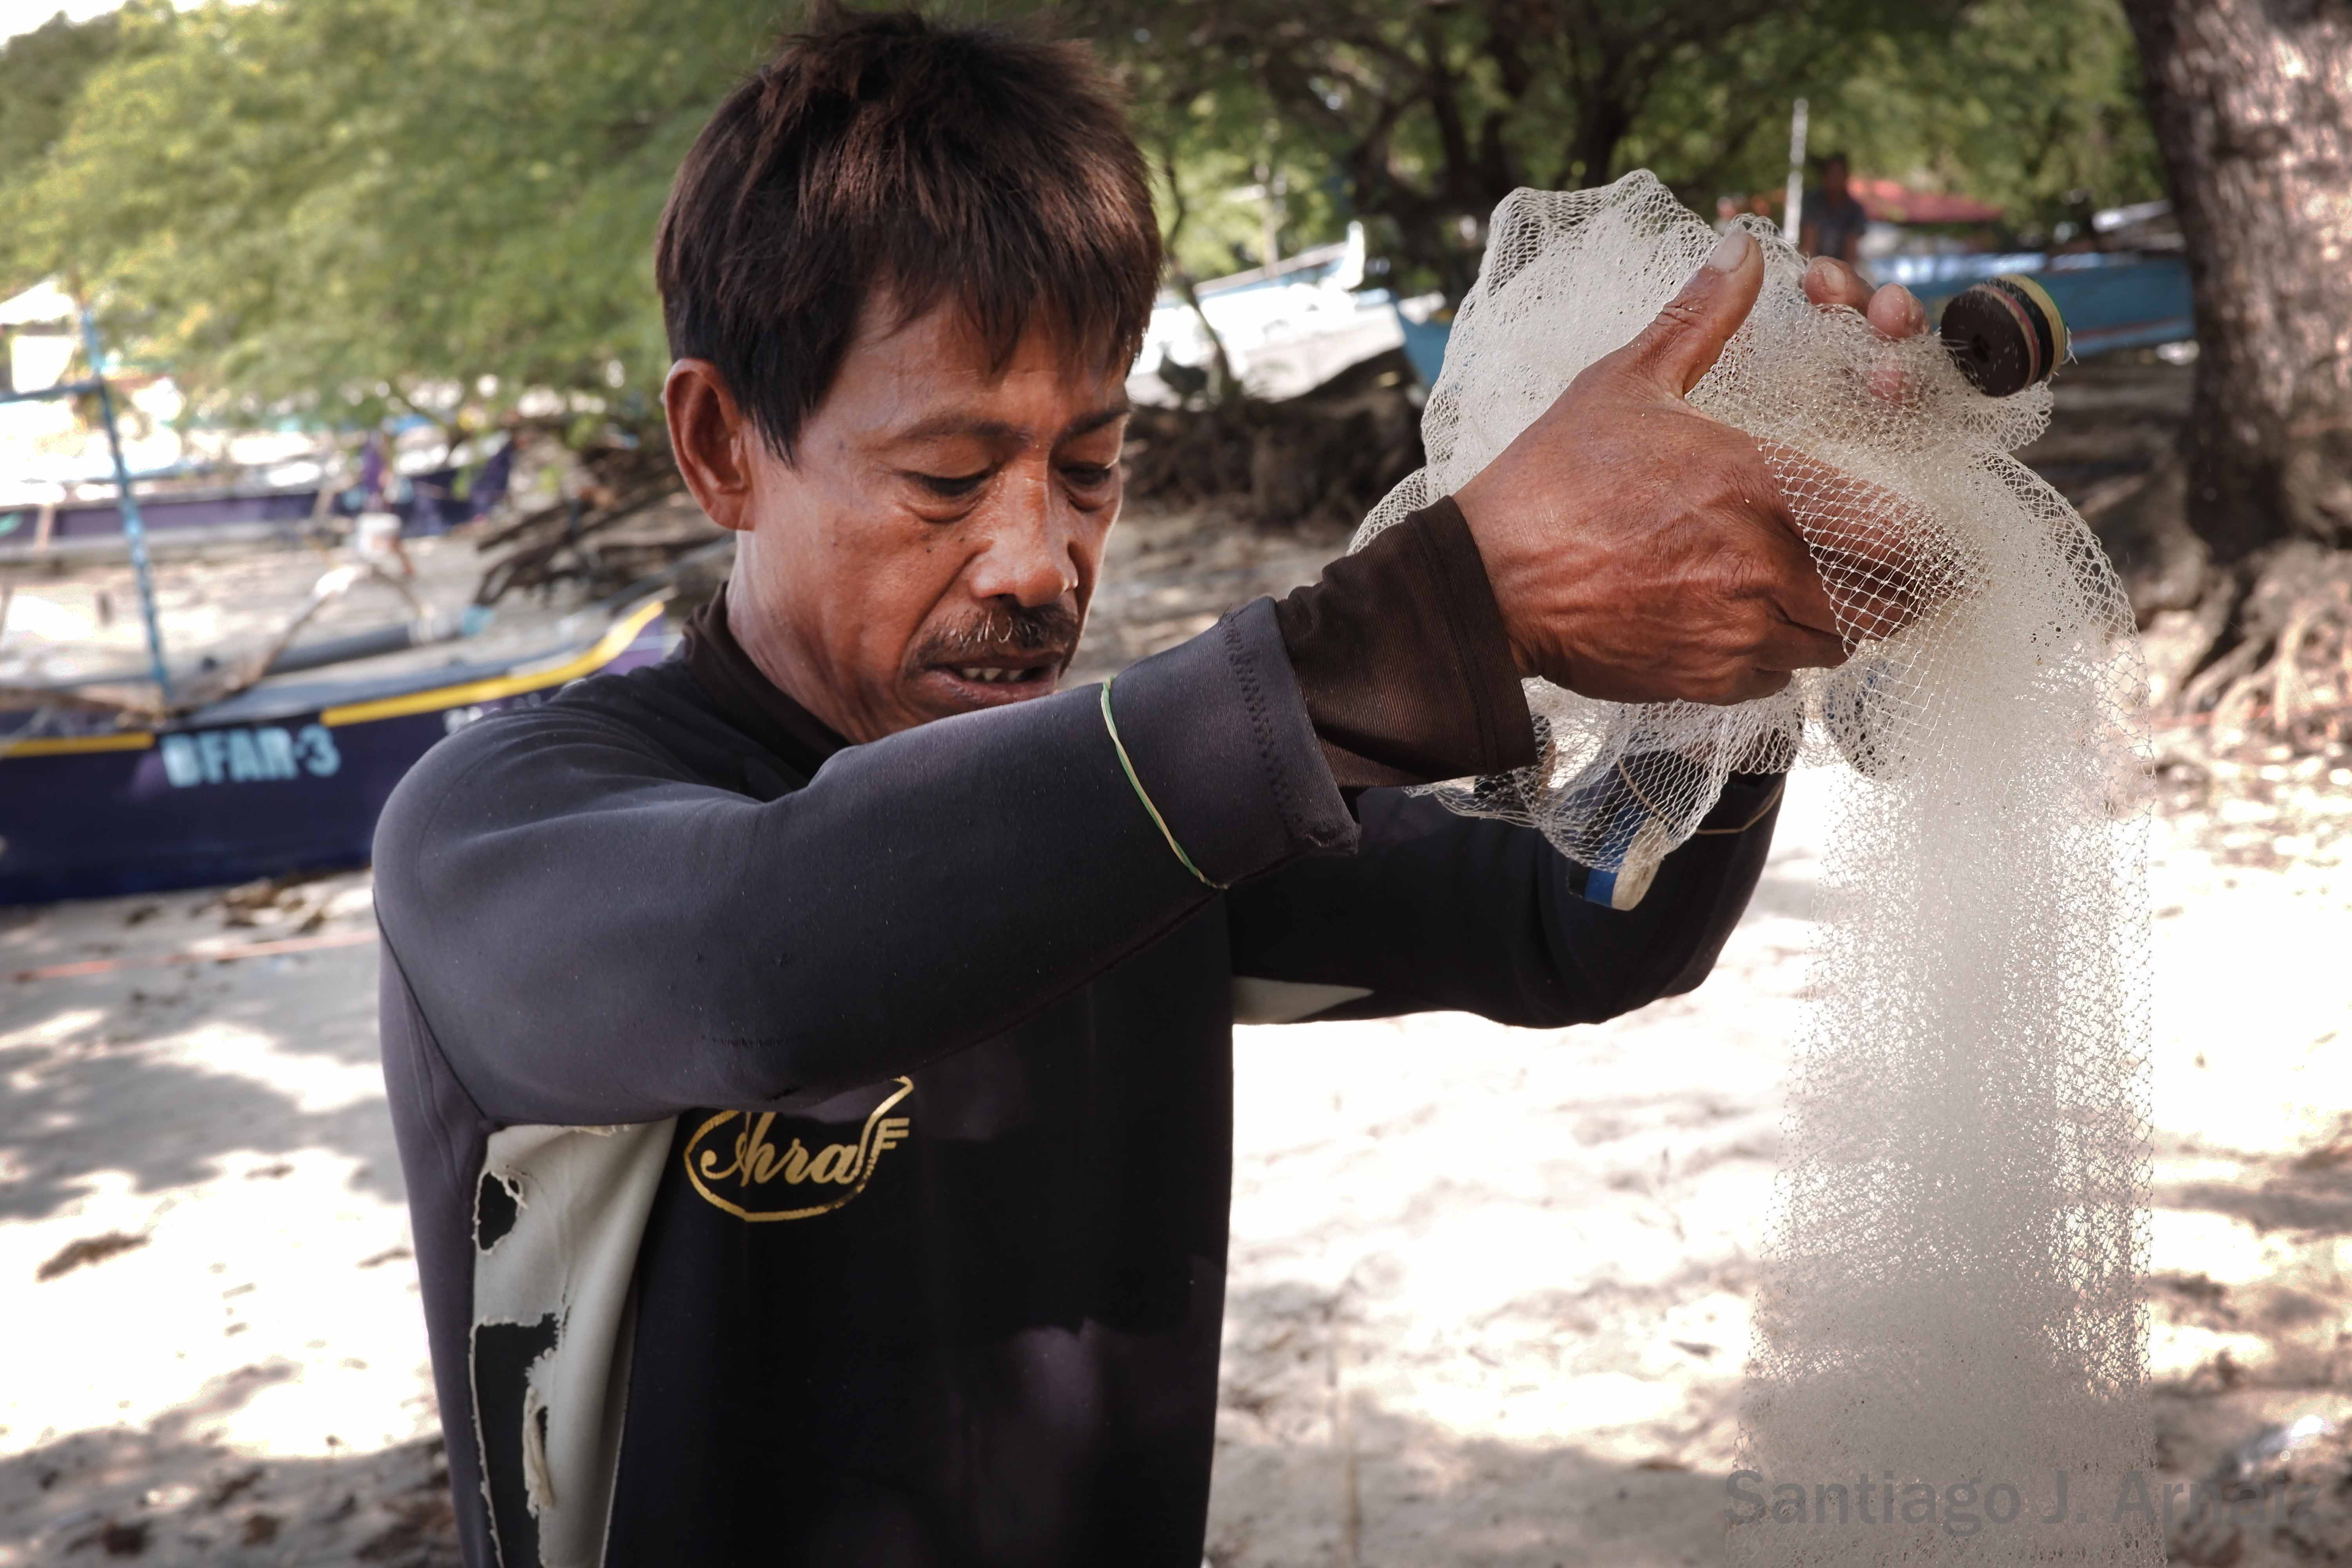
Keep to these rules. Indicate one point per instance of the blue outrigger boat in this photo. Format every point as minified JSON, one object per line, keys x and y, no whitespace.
{"x":2110,"y":301}
{"x":104,"y":793}
{"x":283,"y":778}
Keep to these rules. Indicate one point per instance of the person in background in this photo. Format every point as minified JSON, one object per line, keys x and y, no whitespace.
{"x":490,"y":485}
{"x":372,"y":473}
{"x":375,"y":535}
{"x":1833,"y":220}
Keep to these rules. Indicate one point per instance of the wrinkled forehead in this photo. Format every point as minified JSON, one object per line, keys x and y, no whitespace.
{"x":990,"y":328}
{"x":912,"y":363}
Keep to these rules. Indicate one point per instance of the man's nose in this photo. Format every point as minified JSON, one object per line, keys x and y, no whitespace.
{"x":1029,"y":557}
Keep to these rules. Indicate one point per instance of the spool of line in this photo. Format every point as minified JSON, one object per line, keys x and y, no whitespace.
{"x":1634,"y":843}
{"x":2005,"y":334}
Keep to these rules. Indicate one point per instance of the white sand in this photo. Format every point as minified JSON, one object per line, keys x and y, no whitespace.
{"x":1489,"y":1286}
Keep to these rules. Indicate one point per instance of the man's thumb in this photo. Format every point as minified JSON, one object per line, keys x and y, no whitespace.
{"x":1683,"y":343}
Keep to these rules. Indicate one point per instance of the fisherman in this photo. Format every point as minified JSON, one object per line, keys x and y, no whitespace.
{"x":811,"y":1056}
{"x":1835,"y":220}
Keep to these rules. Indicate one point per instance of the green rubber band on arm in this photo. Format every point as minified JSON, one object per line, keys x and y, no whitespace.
{"x":1157,"y":821}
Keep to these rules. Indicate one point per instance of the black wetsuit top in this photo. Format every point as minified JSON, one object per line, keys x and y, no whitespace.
{"x":820,"y":1154}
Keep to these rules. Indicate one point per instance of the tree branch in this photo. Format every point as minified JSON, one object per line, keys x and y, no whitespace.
{"x":1221,"y":374}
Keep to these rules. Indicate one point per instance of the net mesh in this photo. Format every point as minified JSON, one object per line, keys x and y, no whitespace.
{"x":1950,"y":1295}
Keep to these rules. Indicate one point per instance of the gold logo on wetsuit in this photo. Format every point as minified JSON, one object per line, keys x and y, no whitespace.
{"x":748,"y":1176}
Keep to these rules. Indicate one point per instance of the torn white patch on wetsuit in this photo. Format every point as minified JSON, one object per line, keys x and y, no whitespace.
{"x":559,"y":1213}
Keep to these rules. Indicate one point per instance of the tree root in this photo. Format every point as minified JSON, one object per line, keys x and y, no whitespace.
{"x":2288,"y":675}
{"x":1328,"y":455}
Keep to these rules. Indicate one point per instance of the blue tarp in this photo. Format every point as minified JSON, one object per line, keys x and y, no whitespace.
{"x":2109,"y":300}
{"x":2122,"y":302}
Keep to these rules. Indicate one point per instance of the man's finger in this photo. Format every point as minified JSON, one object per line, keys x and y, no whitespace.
{"x":1751,"y":685}
{"x":1882,"y":560}
{"x":1789,"y":646}
{"x":1684,"y":342}
{"x":1865,"y":611}
{"x":1831,"y":283}
{"x":1786,"y":577}
{"x":1897,"y":312}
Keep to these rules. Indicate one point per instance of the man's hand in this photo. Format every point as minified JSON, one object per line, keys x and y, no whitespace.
{"x":1641,"y":551}
{"x":1894,"y":310}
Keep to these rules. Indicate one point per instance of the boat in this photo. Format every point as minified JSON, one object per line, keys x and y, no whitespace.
{"x":211,"y":509}
{"x":283,"y":778}
{"x":274,"y":763}
{"x":428,"y":504}
{"x":2111,"y":301}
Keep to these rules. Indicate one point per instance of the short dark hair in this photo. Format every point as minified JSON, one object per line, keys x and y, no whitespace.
{"x":879,"y":150}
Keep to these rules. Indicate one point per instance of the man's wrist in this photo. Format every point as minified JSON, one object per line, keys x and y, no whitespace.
{"x":1401,"y":653}
{"x":1467,"y":505}
{"x":1221,"y":754}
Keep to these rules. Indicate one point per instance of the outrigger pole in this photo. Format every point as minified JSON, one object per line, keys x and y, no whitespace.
{"x":134,"y":527}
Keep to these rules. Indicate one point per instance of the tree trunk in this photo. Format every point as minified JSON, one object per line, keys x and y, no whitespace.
{"x":2252,"y":101}
{"x":1601,"y":121}
{"x":1221,"y":385}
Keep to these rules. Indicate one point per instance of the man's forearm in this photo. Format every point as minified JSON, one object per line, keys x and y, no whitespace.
{"x":1401,"y":657}
{"x":595,"y":936}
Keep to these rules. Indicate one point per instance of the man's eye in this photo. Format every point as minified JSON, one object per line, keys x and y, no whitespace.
{"x":951,"y":487}
{"x":1086,"y":475}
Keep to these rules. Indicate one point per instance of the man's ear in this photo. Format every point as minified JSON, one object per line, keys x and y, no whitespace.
{"x":710,"y":440}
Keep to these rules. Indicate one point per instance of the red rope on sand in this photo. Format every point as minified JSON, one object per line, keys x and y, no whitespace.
{"x":212,"y":955}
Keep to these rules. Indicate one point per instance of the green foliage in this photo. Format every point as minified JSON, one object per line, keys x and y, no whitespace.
{"x":1430,"y":112}
{"x":41,"y":78}
{"x":2035,"y":106}
{"x":334,"y":208}
{"x":41,"y":75}
{"x":347,"y":206}
{"x":1421,"y":114}
{"x":1219,"y":166}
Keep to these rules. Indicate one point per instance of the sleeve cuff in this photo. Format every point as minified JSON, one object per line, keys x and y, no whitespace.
{"x":1220,"y":745}
{"x":1402,"y":658}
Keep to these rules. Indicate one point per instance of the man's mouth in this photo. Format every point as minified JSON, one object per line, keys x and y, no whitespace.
{"x":1000,"y":657}
{"x":1010,"y":677}
{"x":999,"y":675}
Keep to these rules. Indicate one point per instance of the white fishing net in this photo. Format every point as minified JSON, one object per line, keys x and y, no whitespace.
{"x":1950,"y":1295}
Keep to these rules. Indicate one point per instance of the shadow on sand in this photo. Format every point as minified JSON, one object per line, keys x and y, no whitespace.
{"x":95,"y":1074}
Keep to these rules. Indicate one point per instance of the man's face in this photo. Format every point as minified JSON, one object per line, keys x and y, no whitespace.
{"x":933,"y":546}
{"x":1833,"y":178}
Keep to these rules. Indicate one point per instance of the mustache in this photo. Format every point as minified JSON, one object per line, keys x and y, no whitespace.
{"x":1051,"y":629}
